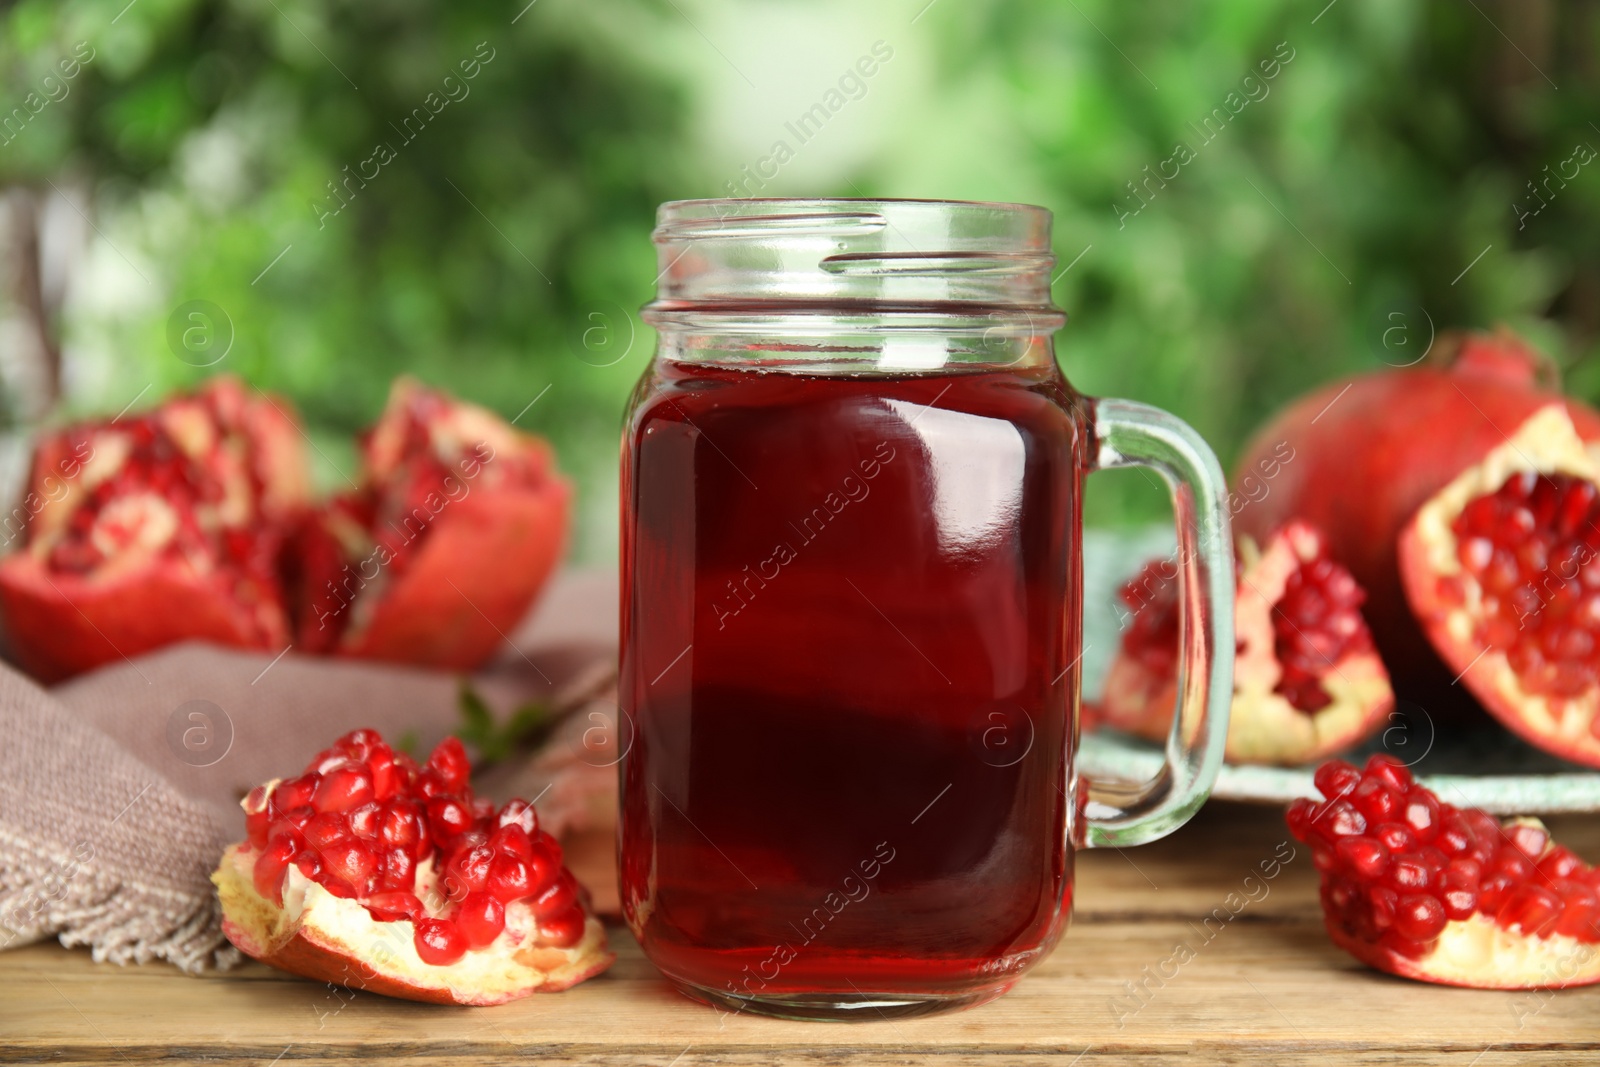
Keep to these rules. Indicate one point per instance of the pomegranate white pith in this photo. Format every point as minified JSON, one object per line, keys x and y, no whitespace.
{"x":1306,"y":679}
{"x":1489,"y":591}
{"x":1416,"y":887}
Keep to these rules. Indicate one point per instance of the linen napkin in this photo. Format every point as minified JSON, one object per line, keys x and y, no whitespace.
{"x":119,"y":789}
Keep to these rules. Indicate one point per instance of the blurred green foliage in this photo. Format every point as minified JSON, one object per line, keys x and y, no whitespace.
{"x":1331,"y":217}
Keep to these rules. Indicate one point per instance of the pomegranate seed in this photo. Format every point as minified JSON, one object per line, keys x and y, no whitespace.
{"x":467,"y":871}
{"x":1560,"y":862}
{"x":545,"y":865}
{"x":558,"y":898}
{"x":270,"y":868}
{"x":563,"y":931}
{"x":256,"y":824}
{"x":430,"y":784}
{"x":1455,"y":836}
{"x":1336,"y":778}
{"x":1409,"y":871}
{"x":508,"y":878}
{"x":1422,"y":814}
{"x":1301,"y":812}
{"x":1419,"y":918}
{"x":1376,"y":800}
{"x":364,"y":820}
{"x":399,"y":869}
{"x":1459,"y":903}
{"x":1514,"y":865}
{"x":309,"y":864}
{"x":401,"y":825}
{"x":1390,"y":770}
{"x":1534,"y":908}
{"x":326,"y":829}
{"x":343,"y":788}
{"x":1341,"y":819}
{"x":1395,"y":837}
{"x":439,"y":942}
{"x":349,"y":862}
{"x":294,"y":793}
{"x":1461,"y":873}
{"x":1529,"y":840}
{"x":448,"y":818}
{"x":512,"y":840}
{"x":1493,"y":891}
{"x":449,"y":761}
{"x":480,"y":918}
{"x":520,"y":813}
{"x":1367,"y":857}
{"x":394,"y":906}
{"x":1385,"y":902}
{"x":388,"y":777}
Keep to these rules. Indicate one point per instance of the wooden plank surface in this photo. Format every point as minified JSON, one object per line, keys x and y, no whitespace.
{"x":1266,"y":987}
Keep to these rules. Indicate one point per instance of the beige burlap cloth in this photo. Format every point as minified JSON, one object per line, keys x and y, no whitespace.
{"x":120,"y":789}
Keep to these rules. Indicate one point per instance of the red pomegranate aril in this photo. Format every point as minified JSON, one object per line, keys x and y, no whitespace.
{"x":1459,"y":903}
{"x":449,"y":761}
{"x":565,"y":930}
{"x":399,"y":870}
{"x":1391,"y":771}
{"x":1343,"y":820}
{"x":1581,"y":917}
{"x":1409,"y":872}
{"x":271,"y":866}
{"x":1336,"y":778}
{"x":1560,"y":862}
{"x":326,"y":828}
{"x":1462,"y":873}
{"x":512,"y":840}
{"x":558,"y":898}
{"x":401,"y":826}
{"x":343,"y":788}
{"x":1377,"y":801}
{"x":439,"y":942}
{"x":1493,"y":891}
{"x":1365,"y":855}
{"x":1513,"y":865}
{"x":388,"y":777}
{"x":309,"y":863}
{"x":294,"y":793}
{"x":467,"y":871}
{"x":1419,"y":918}
{"x":480,"y":918}
{"x":520,"y":813}
{"x":349,"y":862}
{"x":448,"y":819}
{"x":364,"y":820}
{"x":508,"y":878}
{"x":1531,"y":841}
{"x":1396,"y":837}
{"x":1533,"y":908}
{"x":394,"y":905}
{"x":1385,"y":902}
{"x":1422,"y":815}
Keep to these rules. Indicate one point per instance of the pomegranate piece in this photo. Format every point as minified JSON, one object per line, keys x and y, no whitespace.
{"x":1479,"y":907}
{"x":1502,"y":569}
{"x":459,"y":522}
{"x":1359,"y":456}
{"x":379,"y":894}
{"x":153,"y":528}
{"x":1307,"y":681}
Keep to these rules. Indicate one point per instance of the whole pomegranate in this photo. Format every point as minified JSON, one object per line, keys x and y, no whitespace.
{"x":372,"y":872}
{"x":153,"y":528}
{"x":1370,"y":450}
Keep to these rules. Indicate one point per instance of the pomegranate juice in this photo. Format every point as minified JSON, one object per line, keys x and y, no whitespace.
{"x":849,"y":656}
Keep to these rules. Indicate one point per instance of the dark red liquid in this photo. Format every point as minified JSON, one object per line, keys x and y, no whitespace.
{"x":848,"y":624}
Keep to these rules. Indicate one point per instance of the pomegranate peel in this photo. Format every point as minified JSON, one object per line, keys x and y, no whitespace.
{"x":1306,"y":679}
{"x":1491,"y":588}
{"x":1446,"y":895}
{"x":372,"y":872}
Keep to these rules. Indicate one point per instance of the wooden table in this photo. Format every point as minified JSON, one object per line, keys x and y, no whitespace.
{"x":1266,"y":987}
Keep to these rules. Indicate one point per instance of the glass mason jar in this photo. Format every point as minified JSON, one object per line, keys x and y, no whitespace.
{"x":851,"y":611}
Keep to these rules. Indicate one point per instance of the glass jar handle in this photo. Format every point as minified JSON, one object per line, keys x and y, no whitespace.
{"x":1128,"y":434}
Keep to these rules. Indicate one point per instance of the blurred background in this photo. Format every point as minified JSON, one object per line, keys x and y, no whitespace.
{"x":1250,"y":197}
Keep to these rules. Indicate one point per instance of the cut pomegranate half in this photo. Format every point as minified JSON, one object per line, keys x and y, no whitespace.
{"x":153,"y":528}
{"x":1415,"y":887}
{"x":371,"y":872}
{"x":1502,"y":568}
{"x":1307,"y":681}
{"x":460,"y":522}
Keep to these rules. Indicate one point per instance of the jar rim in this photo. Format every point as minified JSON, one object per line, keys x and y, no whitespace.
{"x":884,"y":251}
